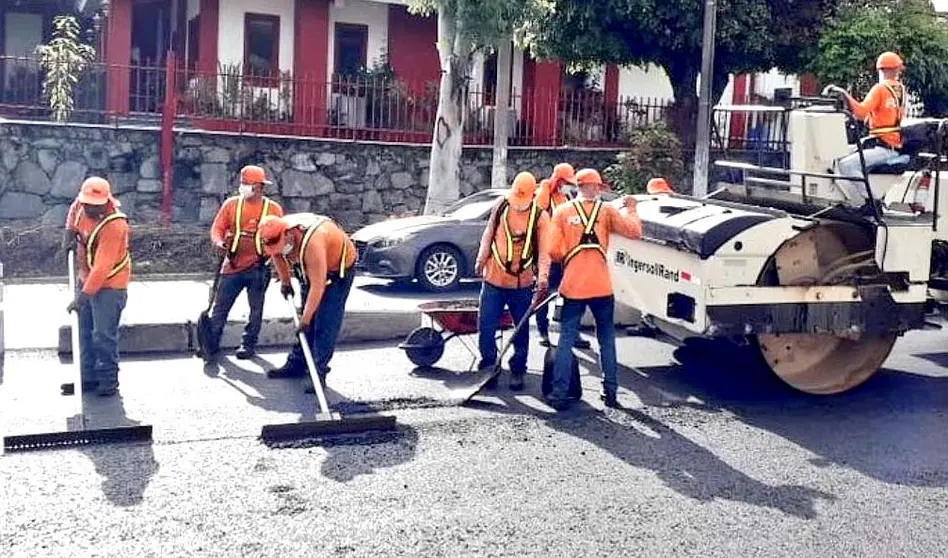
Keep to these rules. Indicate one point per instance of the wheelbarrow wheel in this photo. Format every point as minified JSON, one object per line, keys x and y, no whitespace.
{"x":575,"y":384}
{"x":424,"y":346}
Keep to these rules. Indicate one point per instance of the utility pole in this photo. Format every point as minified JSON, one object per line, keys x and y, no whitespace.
{"x":703,"y":139}
{"x":501,"y":113}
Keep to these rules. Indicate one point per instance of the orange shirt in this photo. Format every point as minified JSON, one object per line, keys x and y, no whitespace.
{"x":587,"y":274}
{"x":110,"y":249}
{"x":495,"y":273}
{"x":883,"y":110}
{"x":224,"y":230}
{"x":322,"y":255}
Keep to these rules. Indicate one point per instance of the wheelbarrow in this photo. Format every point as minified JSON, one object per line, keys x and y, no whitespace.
{"x":441,"y":322}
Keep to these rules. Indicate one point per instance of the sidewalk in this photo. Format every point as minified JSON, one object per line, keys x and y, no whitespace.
{"x":158,"y":313}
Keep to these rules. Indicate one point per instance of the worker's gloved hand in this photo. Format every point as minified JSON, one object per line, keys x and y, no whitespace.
{"x":286,"y":289}
{"x":833,"y":90}
{"x":81,"y":299}
{"x":629,"y":203}
{"x":222,"y":247}
{"x":302,"y":328}
{"x":479,"y":268}
{"x":542,"y":291}
{"x":69,"y":241}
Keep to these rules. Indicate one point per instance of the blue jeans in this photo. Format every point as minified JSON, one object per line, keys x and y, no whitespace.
{"x":492,"y":304}
{"x":99,"y":335}
{"x":324,"y":329}
{"x":543,"y":316}
{"x":571,"y":315}
{"x":850,"y":165}
{"x":255,"y":281}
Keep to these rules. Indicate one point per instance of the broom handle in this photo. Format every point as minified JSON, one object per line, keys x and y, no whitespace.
{"x":76,"y":354}
{"x":526,"y":318}
{"x":310,"y":365}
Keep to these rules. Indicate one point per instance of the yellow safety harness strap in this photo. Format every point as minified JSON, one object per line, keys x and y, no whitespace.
{"x":91,"y":245}
{"x":306,"y":237}
{"x":589,"y":241}
{"x":257,"y":241}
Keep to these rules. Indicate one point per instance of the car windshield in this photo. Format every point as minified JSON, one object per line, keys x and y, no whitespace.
{"x":472,"y":207}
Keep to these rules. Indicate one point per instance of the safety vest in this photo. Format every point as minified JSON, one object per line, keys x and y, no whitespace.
{"x":901,"y":100}
{"x":257,"y":241}
{"x":321,"y":220}
{"x":527,"y":254}
{"x":91,"y":245}
{"x":589,"y":240}
{"x":553,"y":205}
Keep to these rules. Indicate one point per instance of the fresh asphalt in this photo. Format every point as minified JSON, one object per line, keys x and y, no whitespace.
{"x":709,"y":459}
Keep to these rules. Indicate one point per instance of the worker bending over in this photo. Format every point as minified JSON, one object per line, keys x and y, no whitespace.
{"x":579,"y":238}
{"x":514,"y":244}
{"x":883,"y":110}
{"x":324,"y":258}
{"x":549,"y":197}
{"x":98,"y":231}
{"x":234,"y":234}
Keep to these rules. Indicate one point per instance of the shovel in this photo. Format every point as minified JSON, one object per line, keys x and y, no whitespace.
{"x":327,"y":422}
{"x":464,"y":395}
{"x":81,"y":435}
{"x":203,"y":325}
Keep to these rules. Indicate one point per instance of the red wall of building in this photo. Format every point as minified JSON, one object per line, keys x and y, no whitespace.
{"x":412,"y":49}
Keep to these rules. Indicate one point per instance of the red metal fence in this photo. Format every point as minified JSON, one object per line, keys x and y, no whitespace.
{"x":366,"y":107}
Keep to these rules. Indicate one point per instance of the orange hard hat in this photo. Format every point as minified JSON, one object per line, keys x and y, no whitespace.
{"x":96,"y":190}
{"x":254,"y":175}
{"x":588,"y":176}
{"x":523,"y":188}
{"x":271,"y":230}
{"x":564,"y":172}
{"x":658,"y":186}
{"x":889,"y":61}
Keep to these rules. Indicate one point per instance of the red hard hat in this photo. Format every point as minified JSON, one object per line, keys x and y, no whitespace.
{"x":96,"y":190}
{"x":254,"y":175}
{"x":658,"y":186}
{"x":271,"y":230}
{"x":889,"y":61}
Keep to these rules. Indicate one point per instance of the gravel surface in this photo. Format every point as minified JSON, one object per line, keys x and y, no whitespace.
{"x":703,"y":461}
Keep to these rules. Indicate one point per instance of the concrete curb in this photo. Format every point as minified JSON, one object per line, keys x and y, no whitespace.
{"x":358,"y":326}
{"x":144,"y":277}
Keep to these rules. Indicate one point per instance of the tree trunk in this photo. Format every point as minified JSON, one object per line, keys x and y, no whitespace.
{"x":444,"y":173}
{"x":684,"y":113}
{"x":501,"y":108}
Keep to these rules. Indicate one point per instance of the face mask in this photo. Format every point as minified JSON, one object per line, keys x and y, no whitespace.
{"x":287,"y":249}
{"x":245,"y":190}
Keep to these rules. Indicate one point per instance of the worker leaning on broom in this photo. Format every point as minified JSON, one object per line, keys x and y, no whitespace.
{"x":234,"y":234}
{"x":325,"y":259}
{"x":579,"y":238}
{"x":98,"y":232}
{"x":514,"y":244}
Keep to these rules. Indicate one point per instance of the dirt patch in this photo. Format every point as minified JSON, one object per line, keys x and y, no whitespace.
{"x":37,"y":251}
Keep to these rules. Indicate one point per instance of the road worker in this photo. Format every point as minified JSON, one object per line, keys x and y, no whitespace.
{"x":549,"y":197}
{"x":513,"y":256}
{"x":658,"y":186}
{"x":579,"y":238}
{"x":883,"y":110}
{"x":98,"y":232}
{"x":324,"y":258}
{"x":234,"y":234}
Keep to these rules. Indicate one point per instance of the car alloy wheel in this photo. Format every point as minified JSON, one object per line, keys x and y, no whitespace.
{"x":440,"y":268}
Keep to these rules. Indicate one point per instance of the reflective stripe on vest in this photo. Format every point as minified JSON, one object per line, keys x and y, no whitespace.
{"x":309,"y":234}
{"x":257,"y":241}
{"x":91,"y":247}
{"x":589,"y":241}
{"x":553,"y":205}
{"x":900,"y":101}
{"x":526,"y":255}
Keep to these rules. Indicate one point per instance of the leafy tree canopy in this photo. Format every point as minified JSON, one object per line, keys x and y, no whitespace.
{"x":861,"y":30}
{"x":484,"y":23}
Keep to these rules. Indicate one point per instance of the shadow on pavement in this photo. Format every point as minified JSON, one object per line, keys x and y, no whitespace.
{"x":647,"y":443}
{"x":891,"y":428}
{"x":126,"y":469}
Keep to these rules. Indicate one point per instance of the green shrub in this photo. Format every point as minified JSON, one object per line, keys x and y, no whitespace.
{"x":655,"y":152}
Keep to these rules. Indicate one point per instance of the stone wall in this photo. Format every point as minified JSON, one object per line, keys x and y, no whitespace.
{"x":42,"y":166}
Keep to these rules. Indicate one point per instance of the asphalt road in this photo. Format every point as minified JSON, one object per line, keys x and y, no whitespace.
{"x":704,"y":461}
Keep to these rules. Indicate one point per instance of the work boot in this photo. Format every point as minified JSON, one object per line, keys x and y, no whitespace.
{"x":558,"y":404}
{"x":308,"y":386}
{"x":582,"y":344}
{"x":245,"y":352}
{"x":609,"y":400}
{"x":70,"y":388}
{"x":544,"y":340}
{"x":516,"y":381}
{"x":288,"y":370}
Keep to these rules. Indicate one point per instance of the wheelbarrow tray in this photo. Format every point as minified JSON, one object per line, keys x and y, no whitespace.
{"x":459,"y":316}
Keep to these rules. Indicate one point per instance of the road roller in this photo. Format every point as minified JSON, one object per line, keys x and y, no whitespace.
{"x":779,"y":259}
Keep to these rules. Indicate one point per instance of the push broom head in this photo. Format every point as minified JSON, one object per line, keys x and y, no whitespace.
{"x":79,"y":438}
{"x":326,"y":429}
